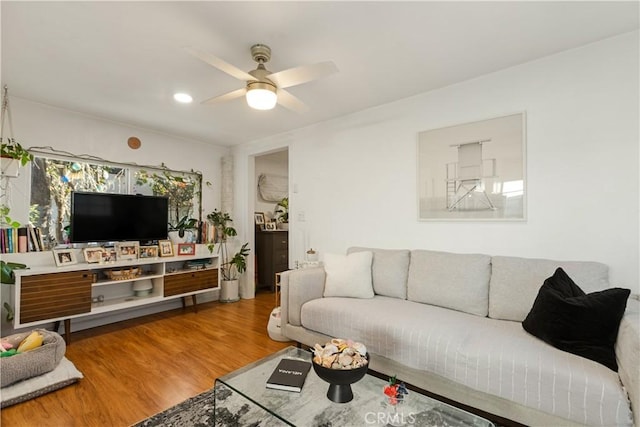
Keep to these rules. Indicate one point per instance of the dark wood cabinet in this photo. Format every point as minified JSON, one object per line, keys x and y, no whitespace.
{"x":272,"y":256}
{"x":47,"y":296}
{"x":190,"y":281}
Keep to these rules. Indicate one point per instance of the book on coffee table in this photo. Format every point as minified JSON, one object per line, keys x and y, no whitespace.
{"x":289,"y":375}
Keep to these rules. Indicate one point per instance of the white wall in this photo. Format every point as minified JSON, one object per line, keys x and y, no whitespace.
{"x":354,"y":178}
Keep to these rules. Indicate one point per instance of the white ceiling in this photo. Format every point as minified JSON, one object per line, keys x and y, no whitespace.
{"x":124,"y":60}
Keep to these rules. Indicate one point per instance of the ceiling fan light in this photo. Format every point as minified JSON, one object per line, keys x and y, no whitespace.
{"x":261,"y":96}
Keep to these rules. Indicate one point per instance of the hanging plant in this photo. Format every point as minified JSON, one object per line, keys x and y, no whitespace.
{"x":9,"y":149}
{"x":13,"y":150}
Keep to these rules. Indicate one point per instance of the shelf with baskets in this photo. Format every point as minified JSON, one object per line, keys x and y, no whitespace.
{"x":113,"y":275}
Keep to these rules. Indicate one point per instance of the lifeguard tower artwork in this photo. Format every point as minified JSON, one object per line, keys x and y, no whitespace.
{"x":473,"y":171}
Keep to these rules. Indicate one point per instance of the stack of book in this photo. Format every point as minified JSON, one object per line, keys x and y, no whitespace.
{"x":207,"y":232}
{"x":23,"y":239}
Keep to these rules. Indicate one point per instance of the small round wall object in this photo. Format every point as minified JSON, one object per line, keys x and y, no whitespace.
{"x":134,"y":142}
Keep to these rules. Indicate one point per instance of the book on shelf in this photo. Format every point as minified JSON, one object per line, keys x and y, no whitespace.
{"x":22,"y":240}
{"x":289,"y":375}
{"x":10,"y":240}
{"x":33,"y":240}
{"x":39,"y":239}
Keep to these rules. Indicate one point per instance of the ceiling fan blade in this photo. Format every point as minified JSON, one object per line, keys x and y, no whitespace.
{"x":305,"y":73}
{"x":221,"y":65}
{"x":226,"y":97}
{"x":290,"y":102}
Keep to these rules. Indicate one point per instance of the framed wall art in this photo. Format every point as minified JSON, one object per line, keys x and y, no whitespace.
{"x":473,"y":171}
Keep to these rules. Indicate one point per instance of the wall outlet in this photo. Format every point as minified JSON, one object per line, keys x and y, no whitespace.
{"x":301,"y":217}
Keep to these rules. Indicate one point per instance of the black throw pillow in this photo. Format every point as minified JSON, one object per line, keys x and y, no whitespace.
{"x":570,"y":320}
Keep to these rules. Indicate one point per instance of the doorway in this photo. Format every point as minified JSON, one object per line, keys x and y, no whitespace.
{"x":271,"y":184}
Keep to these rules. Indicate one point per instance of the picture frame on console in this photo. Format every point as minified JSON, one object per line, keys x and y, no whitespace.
{"x":150,"y":251}
{"x":259,"y":218}
{"x":186,"y":248}
{"x":64,"y":257}
{"x":109,"y":255}
{"x":473,"y":171}
{"x":127,"y":250}
{"x":93,"y":255}
{"x":166,"y":248}
{"x":270,"y":226}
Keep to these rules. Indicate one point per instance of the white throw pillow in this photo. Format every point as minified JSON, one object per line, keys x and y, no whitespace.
{"x":348,"y":275}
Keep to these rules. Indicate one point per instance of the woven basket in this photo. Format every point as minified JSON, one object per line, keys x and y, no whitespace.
{"x":123,"y":274}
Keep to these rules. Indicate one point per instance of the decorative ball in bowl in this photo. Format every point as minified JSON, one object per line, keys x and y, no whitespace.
{"x":340,"y":363}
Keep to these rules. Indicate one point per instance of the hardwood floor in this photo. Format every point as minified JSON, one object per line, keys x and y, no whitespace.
{"x":136,"y":368}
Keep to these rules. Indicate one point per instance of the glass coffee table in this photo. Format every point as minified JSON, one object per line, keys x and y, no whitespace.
{"x":311,"y":407}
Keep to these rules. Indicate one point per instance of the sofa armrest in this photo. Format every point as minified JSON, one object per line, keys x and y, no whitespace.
{"x":298,"y":287}
{"x":627,"y":351}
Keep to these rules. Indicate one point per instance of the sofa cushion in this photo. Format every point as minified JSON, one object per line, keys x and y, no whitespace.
{"x":390,"y":270}
{"x":456,"y":281}
{"x":348,"y":275}
{"x":567,"y":318}
{"x":515,"y":282}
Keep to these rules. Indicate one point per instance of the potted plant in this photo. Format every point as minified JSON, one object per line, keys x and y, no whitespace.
{"x":282,"y":212}
{"x":183,"y":231}
{"x":13,"y":156}
{"x":13,"y":150}
{"x":231,"y":267}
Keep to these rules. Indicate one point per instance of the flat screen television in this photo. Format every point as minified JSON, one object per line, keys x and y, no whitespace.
{"x":105,"y":217}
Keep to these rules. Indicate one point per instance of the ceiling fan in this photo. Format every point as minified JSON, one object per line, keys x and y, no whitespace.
{"x":263,"y":89}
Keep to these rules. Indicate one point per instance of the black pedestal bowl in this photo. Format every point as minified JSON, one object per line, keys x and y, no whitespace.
{"x":340,"y":380}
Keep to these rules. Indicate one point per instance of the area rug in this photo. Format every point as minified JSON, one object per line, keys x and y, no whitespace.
{"x":198,"y":411}
{"x":234,"y":411}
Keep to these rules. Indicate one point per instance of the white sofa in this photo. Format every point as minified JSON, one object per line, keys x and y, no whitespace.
{"x":452,"y":324}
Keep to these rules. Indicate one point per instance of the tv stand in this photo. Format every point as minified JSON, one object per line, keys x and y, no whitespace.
{"x":45,"y":293}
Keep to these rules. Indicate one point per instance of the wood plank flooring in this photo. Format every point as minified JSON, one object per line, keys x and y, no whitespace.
{"x":139,"y":367}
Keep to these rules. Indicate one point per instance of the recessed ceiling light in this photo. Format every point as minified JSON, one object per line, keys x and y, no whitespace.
{"x":185,"y":98}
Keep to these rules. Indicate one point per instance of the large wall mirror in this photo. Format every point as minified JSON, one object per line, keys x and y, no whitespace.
{"x":53,"y":178}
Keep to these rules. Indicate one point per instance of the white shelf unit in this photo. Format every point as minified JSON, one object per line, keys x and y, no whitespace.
{"x":46,"y":293}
